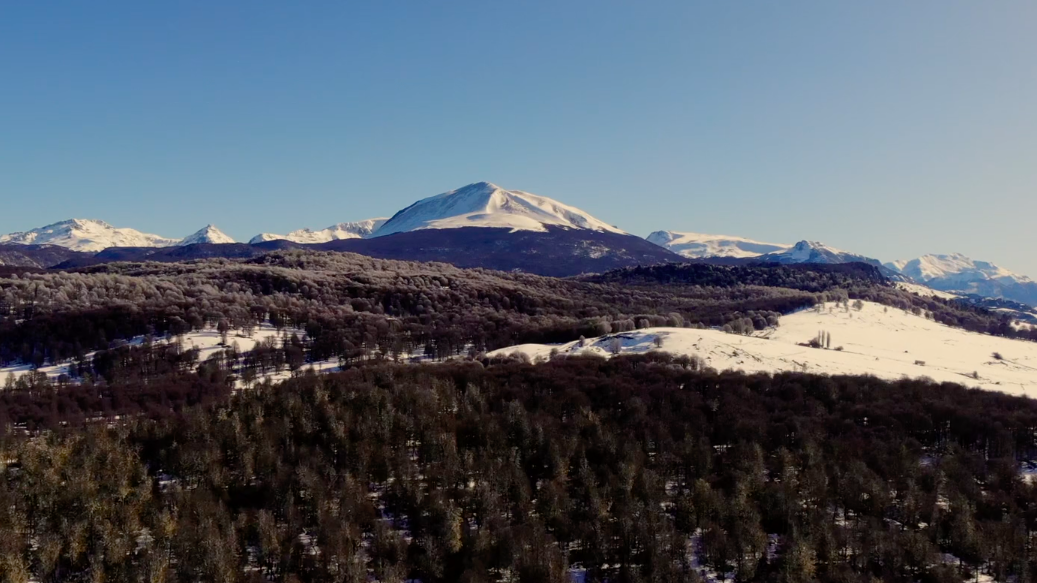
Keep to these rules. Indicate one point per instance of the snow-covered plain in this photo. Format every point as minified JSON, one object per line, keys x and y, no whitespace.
{"x":884,"y":342}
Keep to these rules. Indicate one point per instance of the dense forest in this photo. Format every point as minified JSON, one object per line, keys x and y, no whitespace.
{"x":352,"y":306}
{"x":145,"y":463}
{"x":858,"y":280}
{"x":631,"y":469}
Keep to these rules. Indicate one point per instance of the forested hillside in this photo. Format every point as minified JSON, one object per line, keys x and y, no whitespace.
{"x":144,"y":461}
{"x":634,"y":469}
{"x":350,"y":305}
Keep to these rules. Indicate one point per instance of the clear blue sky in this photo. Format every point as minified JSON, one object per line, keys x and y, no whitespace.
{"x":885,"y":127}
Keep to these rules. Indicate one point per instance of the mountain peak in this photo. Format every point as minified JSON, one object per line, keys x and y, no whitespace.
{"x":208,"y":234}
{"x":481,"y":185}
{"x":484,"y":204}
{"x":807,"y":251}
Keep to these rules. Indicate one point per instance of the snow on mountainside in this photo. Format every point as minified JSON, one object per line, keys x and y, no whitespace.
{"x":957,"y":273}
{"x":86,"y":235}
{"x":814,"y":252}
{"x":698,"y":245}
{"x":210,"y":234}
{"x":487,"y":205}
{"x":351,"y":230}
{"x":885,"y":342}
{"x":954,"y":267}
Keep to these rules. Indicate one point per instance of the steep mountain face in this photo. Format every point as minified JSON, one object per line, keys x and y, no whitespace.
{"x":210,"y":234}
{"x":38,"y":256}
{"x":487,"y":205}
{"x":351,"y":230}
{"x":86,"y":235}
{"x":699,"y":245}
{"x":958,"y":273}
{"x":555,"y":251}
{"x":814,"y":252}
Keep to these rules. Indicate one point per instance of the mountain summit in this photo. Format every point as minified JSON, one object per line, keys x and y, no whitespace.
{"x":484,"y":204}
{"x":86,"y":235}
{"x":210,"y":234}
{"x":815,"y":252}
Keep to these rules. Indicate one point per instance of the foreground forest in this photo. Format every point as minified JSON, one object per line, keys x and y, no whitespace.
{"x":144,"y":463}
{"x":632,"y":469}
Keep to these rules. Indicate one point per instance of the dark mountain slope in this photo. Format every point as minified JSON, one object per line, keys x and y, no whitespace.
{"x":557,"y":252}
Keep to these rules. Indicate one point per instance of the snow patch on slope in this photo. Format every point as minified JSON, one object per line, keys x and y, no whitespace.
{"x":487,"y":205}
{"x":696,"y":245}
{"x":350,"y":230}
{"x":884,"y":342}
{"x":926,"y":292}
{"x":86,"y":235}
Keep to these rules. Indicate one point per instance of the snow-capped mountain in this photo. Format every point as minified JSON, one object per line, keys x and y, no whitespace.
{"x":954,"y":267}
{"x":699,"y":245}
{"x":487,"y":205}
{"x":815,"y":252}
{"x":958,"y":273}
{"x":87,"y":235}
{"x":351,"y":230}
{"x":209,"y":234}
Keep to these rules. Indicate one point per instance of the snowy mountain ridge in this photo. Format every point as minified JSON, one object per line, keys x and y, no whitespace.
{"x":350,"y":230}
{"x":954,"y":266}
{"x":957,"y":273}
{"x":87,"y":235}
{"x":92,"y":235}
{"x":701,"y":245}
{"x":816,"y":252}
{"x":209,"y":234}
{"x":484,"y":204}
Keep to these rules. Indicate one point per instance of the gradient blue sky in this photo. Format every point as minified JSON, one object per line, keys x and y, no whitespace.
{"x":885,"y":127}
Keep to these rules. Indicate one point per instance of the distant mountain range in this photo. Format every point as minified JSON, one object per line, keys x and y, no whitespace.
{"x":479,"y":225}
{"x":354,"y":230}
{"x":700,"y":245}
{"x":90,"y":235}
{"x":953,"y":273}
{"x":484,"y":225}
{"x":959,"y":274}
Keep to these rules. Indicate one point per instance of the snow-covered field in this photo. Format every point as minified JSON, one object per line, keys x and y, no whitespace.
{"x":208,"y":343}
{"x":885,"y":342}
